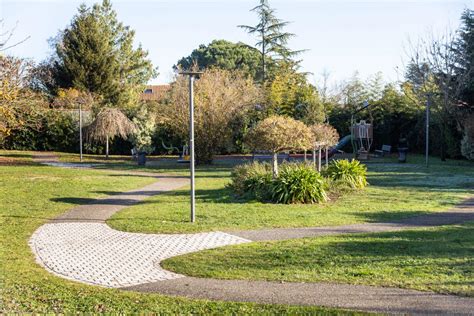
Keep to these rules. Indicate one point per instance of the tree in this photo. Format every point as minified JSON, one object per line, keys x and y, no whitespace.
{"x":71,"y":99}
{"x":96,"y":54}
{"x":464,"y":48}
{"x":272,"y":40}
{"x":467,"y":142}
{"x":441,"y":82}
{"x":145,"y":126}
{"x":324,"y":136}
{"x":16,"y":101}
{"x":279,"y":133}
{"x":289,"y":93}
{"x":221,"y":98}
{"x":224,"y":55}
{"x":109,"y":123}
{"x":6,"y":35}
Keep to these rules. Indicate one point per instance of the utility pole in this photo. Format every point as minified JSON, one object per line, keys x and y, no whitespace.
{"x":192,"y":75}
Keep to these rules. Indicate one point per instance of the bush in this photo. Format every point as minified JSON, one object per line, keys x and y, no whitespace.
{"x":299,"y":183}
{"x":347,"y":173}
{"x":252,"y":180}
{"x":45,"y":130}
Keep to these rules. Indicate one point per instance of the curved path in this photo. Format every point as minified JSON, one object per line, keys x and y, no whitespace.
{"x":79,"y":246}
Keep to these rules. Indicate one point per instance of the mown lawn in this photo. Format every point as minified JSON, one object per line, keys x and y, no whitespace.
{"x":438,"y":259}
{"x":395,"y":191}
{"x":30,"y":195}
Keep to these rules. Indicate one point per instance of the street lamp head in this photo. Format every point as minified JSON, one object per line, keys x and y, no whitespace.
{"x":191,"y":73}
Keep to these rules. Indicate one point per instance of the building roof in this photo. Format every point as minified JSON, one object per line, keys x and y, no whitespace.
{"x":154,"y":92}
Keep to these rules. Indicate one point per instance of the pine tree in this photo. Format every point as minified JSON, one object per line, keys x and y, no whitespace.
{"x":95,"y":53}
{"x":272,"y":40}
{"x":465,"y":55}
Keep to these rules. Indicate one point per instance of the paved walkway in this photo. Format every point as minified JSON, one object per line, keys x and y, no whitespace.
{"x":79,"y":246}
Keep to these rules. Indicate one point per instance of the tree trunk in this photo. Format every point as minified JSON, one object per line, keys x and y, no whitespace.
{"x":314,"y":157}
{"x":275,"y":165}
{"x":319,"y":159}
{"x":107,"y":148}
{"x":327,"y":157}
{"x":305,"y":158}
{"x":442,"y":143}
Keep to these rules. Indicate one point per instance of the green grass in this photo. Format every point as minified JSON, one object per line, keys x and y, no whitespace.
{"x":395,"y":191}
{"x":439,"y":260}
{"x":30,"y":195}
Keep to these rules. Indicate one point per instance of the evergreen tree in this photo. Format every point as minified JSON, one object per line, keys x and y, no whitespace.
{"x":465,"y":56}
{"x":95,"y":53}
{"x":272,"y":40}
{"x":290,"y":94}
{"x":224,"y":55}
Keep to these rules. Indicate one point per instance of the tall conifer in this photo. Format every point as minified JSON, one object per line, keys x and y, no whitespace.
{"x":95,"y":53}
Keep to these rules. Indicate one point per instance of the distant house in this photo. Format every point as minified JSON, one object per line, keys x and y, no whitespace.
{"x":154,"y":92}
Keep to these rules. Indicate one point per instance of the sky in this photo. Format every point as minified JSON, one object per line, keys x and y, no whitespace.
{"x":340,"y":36}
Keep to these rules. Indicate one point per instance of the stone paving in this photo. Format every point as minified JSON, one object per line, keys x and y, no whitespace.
{"x":94,"y":253}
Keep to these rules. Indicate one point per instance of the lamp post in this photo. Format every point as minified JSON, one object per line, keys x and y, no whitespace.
{"x":427,"y":139}
{"x":192,"y":75}
{"x":80,"y":131}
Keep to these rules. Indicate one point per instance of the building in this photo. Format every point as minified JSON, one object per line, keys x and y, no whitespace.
{"x":154,"y":92}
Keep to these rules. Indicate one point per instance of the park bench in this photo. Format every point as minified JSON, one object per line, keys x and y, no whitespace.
{"x":386,"y":149}
{"x":258,"y":155}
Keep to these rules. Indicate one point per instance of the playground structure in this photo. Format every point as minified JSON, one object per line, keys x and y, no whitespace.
{"x":361,"y":138}
{"x":183,"y":155}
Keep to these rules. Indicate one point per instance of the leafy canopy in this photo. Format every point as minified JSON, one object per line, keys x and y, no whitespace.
{"x":221,"y":97}
{"x":224,"y":55}
{"x":324,"y":135}
{"x":279,"y":133}
{"x":289,"y":93}
{"x":95,"y":53}
{"x":272,"y":39}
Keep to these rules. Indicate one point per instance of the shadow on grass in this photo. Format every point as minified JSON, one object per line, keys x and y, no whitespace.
{"x":116,"y":198}
{"x":15,"y":155}
{"x":349,"y":252}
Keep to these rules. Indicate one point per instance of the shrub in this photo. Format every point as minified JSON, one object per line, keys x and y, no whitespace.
{"x":252,"y":180}
{"x":347,"y":173}
{"x":299,"y":183}
{"x":467,"y":142}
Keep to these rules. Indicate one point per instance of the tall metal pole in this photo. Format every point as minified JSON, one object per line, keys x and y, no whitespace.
{"x":427,"y":141}
{"x":191,"y":145}
{"x":80,"y":131}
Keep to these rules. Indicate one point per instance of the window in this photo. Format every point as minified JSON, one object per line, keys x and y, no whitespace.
{"x":148,"y":91}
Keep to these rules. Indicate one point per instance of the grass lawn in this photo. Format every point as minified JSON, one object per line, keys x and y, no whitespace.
{"x":439,"y":259}
{"x":30,"y":195}
{"x":395,"y":191}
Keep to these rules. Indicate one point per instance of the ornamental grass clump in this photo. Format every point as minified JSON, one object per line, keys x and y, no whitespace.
{"x":296,"y":183}
{"x":252,"y":181}
{"x":299,"y":183}
{"x":347,"y":173}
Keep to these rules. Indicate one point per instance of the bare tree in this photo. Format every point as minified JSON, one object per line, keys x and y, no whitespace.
{"x":7,"y":35}
{"x":435,"y":74}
